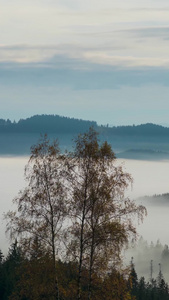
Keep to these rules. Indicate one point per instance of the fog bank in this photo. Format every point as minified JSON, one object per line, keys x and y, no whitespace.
{"x":149,"y":177}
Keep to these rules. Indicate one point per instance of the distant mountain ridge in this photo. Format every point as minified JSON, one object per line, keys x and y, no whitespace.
{"x":60,"y":124}
{"x":45,"y":124}
{"x":147,"y":129}
{"x":145,"y":141}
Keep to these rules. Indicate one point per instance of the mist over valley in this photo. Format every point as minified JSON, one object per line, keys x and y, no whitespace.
{"x":145,"y":157}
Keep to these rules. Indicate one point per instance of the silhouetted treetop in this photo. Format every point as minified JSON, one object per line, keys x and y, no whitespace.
{"x":59,"y":124}
{"x":147,"y":129}
{"x":46,"y":123}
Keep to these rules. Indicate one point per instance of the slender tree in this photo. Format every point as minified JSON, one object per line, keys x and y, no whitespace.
{"x":41,"y":205}
{"x":102,"y":218}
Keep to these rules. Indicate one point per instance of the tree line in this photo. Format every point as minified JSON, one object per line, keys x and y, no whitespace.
{"x":71,"y":223}
{"x":156,"y":289}
{"x":59,"y":124}
{"x":46,"y":123}
{"x":29,"y":278}
{"x":144,"y":253}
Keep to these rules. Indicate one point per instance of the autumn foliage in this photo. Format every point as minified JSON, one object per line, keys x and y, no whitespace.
{"x":72,"y":222}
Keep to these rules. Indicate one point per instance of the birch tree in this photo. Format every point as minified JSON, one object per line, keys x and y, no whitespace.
{"x":86,"y":188}
{"x":41,"y":206}
{"x":102,"y":218}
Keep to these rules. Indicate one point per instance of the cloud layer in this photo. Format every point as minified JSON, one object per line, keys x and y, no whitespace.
{"x":100,"y":60}
{"x":131,"y":33}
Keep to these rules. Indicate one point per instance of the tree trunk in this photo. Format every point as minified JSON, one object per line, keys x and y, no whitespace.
{"x":91,"y":266}
{"x":80,"y":260}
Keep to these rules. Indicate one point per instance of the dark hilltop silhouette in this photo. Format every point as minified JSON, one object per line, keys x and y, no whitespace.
{"x":145,"y":141}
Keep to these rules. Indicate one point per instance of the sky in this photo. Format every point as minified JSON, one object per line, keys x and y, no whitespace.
{"x":106,"y":61}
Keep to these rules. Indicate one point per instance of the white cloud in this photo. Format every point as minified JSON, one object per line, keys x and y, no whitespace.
{"x":26,"y":54}
{"x":128,"y":33}
{"x":126,"y":61}
{"x":140,"y":55}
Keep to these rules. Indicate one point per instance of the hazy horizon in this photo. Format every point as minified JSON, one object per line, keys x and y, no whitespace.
{"x":101,"y":124}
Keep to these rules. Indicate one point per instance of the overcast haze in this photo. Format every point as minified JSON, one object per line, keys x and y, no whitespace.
{"x":106,"y":60}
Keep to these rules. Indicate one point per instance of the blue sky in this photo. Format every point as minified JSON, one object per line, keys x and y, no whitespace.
{"x":106,"y":61}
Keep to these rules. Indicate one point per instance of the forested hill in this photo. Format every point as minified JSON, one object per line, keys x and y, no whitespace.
{"x":146,"y":141}
{"x":59,"y":124}
{"x":46,"y":124}
{"x":148,"y":129}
